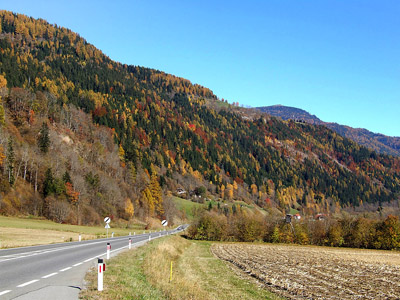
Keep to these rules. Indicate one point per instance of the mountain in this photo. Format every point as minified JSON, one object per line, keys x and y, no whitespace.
{"x":168,"y":134}
{"x":378,"y":142}
{"x":290,"y":113}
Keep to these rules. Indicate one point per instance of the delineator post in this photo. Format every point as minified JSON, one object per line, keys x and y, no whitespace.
{"x":108,"y":250}
{"x":100,"y":270}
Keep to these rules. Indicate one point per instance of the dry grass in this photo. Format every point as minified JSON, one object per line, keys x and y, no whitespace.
{"x":19,"y":232}
{"x":197,"y":275}
{"x":20,"y":237}
{"x":123,"y":279}
{"x":303,"y":272}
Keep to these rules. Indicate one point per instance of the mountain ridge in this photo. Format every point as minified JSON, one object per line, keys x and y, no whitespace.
{"x":376,"y":141}
{"x":170,"y":134}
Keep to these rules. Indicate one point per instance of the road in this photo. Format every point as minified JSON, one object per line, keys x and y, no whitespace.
{"x":57,"y":271}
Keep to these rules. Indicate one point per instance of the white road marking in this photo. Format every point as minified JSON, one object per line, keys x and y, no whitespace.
{"x":27,"y":283}
{"x":49,"y":275}
{"x":89,"y":259}
{"x":78,"y":264}
{"x":4,"y":292}
{"x":65,"y":269}
{"x":38,"y":252}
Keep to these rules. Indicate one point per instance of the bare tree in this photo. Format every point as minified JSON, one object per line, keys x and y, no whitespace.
{"x":59,"y":210}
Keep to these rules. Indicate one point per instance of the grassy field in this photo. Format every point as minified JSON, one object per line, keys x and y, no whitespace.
{"x":17,"y":232}
{"x":144,"y":273}
{"x":187,"y":206}
{"x":190,"y":207}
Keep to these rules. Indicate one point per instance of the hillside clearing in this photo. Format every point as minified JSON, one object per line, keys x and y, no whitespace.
{"x":303,"y":272}
{"x":187,"y":206}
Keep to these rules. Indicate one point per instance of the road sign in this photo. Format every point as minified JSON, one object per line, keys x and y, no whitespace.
{"x":107,"y":220}
{"x":164,"y":223}
{"x":107,"y":226}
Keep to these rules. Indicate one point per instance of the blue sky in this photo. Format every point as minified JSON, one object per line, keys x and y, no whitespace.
{"x":339,"y":60}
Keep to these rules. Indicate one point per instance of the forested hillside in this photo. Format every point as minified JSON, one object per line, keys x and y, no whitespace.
{"x":167,"y":133}
{"x":376,"y":141}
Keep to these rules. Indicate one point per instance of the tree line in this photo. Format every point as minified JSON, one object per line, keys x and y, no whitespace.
{"x":346,"y":231}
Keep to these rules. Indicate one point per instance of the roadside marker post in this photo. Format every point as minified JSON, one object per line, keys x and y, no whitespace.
{"x":100,"y":270}
{"x":108,"y":250}
{"x":130,"y":233}
{"x":149,"y":237}
{"x":80,"y":237}
{"x":170,"y":275}
{"x":130,"y":243}
{"x":112,"y":234}
{"x":134,"y":233}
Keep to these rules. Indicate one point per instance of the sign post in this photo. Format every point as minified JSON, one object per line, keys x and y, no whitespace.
{"x":164,"y":223}
{"x":107,"y":220}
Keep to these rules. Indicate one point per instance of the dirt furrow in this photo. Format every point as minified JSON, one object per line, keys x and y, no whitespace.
{"x":298,"y":272}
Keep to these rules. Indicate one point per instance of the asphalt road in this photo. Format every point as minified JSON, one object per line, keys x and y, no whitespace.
{"x":57,"y":271}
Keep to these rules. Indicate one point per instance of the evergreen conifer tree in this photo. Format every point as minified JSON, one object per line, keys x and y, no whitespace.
{"x":48,"y":184}
{"x":43,"y":138}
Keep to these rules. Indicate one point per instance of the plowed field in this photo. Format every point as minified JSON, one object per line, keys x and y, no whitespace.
{"x":302,"y":272}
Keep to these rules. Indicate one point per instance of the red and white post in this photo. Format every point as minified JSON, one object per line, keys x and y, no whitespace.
{"x":130,"y":243}
{"x":100,"y":270}
{"x":108,"y":250}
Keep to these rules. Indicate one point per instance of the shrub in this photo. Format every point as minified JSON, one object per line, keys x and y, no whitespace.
{"x":210,"y":226}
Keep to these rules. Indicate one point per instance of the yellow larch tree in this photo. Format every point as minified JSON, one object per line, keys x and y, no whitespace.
{"x":129,"y":209}
{"x":156,"y":193}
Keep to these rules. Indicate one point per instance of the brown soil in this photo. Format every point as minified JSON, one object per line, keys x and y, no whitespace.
{"x":303,"y":272}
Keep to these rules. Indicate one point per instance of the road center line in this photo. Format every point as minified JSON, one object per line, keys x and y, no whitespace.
{"x":44,"y":251}
{"x":65,"y":269}
{"x":49,"y":275}
{"x":4,"y":292}
{"x":78,"y":264}
{"x":27,"y":283}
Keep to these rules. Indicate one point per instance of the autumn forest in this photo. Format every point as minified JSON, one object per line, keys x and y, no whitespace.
{"x":83,"y":136}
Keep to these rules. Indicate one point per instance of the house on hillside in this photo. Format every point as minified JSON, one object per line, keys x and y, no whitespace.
{"x":320,"y":217}
{"x":180,"y":191}
{"x":288,"y":218}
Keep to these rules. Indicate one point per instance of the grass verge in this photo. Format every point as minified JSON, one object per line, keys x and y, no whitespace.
{"x":18,"y":232}
{"x":144,"y":273}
